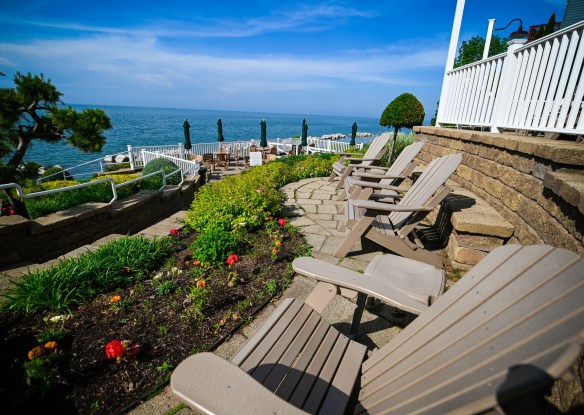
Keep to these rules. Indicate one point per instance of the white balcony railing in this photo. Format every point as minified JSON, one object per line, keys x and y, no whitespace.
{"x":538,"y":87}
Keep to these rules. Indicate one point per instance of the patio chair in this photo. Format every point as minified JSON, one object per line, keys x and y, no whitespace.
{"x":393,"y":226}
{"x":374,"y":153}
{"x":401,"y":168}
{"x":495,"y":341}
{"x":222,"y":159}
{"x":209,"y":161}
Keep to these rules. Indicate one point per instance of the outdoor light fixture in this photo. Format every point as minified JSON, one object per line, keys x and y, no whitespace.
{"x":518,"y":34}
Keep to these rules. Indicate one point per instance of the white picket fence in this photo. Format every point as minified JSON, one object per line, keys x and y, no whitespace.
{"x":538,"y":87}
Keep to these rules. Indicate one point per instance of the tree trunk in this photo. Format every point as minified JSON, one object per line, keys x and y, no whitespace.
{"x":10,"y":176}
{"x":389,"y":161}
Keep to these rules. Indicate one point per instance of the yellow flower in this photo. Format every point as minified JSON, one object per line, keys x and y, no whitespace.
{"x":52,"y":345}
{"x":115,"y":299}
{"x":277,"y":243}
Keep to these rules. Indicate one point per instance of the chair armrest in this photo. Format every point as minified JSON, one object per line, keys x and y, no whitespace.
{"x":213,"y":385}
{"x":373,"y":185}
{"x":375,"y":176}
{"x":345,"y":278}
{"x":388,"y":207}
{"x":349,"y":154}
{"x":358,"y":159}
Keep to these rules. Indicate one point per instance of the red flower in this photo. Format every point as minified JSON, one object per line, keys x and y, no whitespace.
{"x":282,"y":221}
{"x":232,"y":259}
{"x":174,"y":231}
{"x":114,"y":349}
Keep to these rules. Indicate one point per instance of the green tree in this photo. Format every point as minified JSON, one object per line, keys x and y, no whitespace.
{"x":30,"y":111}
{"x":403,"y":112}
{"x":546,"y":29}
{"x":472,"y":50}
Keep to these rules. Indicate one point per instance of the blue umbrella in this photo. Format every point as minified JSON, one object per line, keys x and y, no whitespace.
{"x":187,"y":132}
{"x":304,"y":143}
{"x":353,"y":134}
{"x":264,"y":135}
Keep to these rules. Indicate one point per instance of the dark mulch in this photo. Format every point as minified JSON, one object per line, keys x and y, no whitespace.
{"x":158,"y":313}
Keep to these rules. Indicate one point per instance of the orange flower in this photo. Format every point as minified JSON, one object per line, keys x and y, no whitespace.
{"x":275,"y":251}
{"x":52,"y":345}
{"x":277,"y":243}
{"x":196,"y":262}
{"x":115,"y":299}
{"x":37,"y":351}
{"x":201,"y":284}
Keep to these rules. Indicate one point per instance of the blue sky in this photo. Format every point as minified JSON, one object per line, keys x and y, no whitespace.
{"x":321,"y":57}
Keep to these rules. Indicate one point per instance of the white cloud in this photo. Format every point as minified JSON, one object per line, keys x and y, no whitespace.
{"x":304,"y":18}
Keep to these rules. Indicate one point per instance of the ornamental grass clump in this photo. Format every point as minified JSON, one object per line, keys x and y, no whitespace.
{"x":72,"y":281}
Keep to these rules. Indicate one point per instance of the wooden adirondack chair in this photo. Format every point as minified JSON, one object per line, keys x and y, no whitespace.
{"x":376,"y":150}
{"x":393,"y":225}
{"x":495,"y":341}
{"x":401,"y":168}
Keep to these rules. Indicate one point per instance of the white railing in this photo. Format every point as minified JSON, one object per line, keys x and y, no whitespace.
{"x":316,"y":145}
{"x":109,"y":180}
{"x":70,"y":171}
{"x":187,"y":168}
{"x":135,"y":153}
{"x":537,"y":87}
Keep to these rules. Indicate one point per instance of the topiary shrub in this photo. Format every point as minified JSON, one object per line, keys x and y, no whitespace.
{"x":403,"y":112}
{"x":160,"y":164}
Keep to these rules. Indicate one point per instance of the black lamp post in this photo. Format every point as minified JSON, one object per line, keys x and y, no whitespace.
{"x":519,"y":33}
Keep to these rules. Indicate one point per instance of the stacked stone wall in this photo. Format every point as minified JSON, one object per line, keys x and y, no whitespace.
{"x":47,"y":237}
{"x":534,"y":183}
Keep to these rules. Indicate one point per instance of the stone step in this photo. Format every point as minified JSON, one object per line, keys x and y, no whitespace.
{"x":568,"y":184}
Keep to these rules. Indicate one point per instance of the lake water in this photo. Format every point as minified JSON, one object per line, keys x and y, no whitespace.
{"x":161,"y":126}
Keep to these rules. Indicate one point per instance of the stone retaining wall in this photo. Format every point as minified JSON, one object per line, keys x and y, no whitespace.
{"x":534,"y":183}
{"x":23,"y":240}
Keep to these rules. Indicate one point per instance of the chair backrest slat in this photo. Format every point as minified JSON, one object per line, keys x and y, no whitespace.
{"x":519,"y":307}
{"x":433,"y":177}
{"x":403,"y":160}
{"x":377,"y":148}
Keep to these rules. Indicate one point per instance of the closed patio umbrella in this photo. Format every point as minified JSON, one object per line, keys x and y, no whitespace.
{"x":220,"y":137}
{"x":186,"y":128}
{"x":353,"y":134}
{"x":263,"y":136}
{"x":304,"y":143}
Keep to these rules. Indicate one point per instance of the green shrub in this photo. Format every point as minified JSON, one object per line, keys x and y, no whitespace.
{"x":223,"y":210}
{"x":215,"y":243}
{"x":161,"y":164}
{"x":116,"y":167}
{"x":72,"y":281}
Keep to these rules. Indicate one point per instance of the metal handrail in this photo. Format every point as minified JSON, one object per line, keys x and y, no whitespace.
{"x":113,"y":184}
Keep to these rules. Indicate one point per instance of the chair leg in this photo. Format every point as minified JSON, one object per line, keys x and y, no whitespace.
{"x":354,"y":235}
{"x":405,"y":248}
{"x":358,"y":314}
